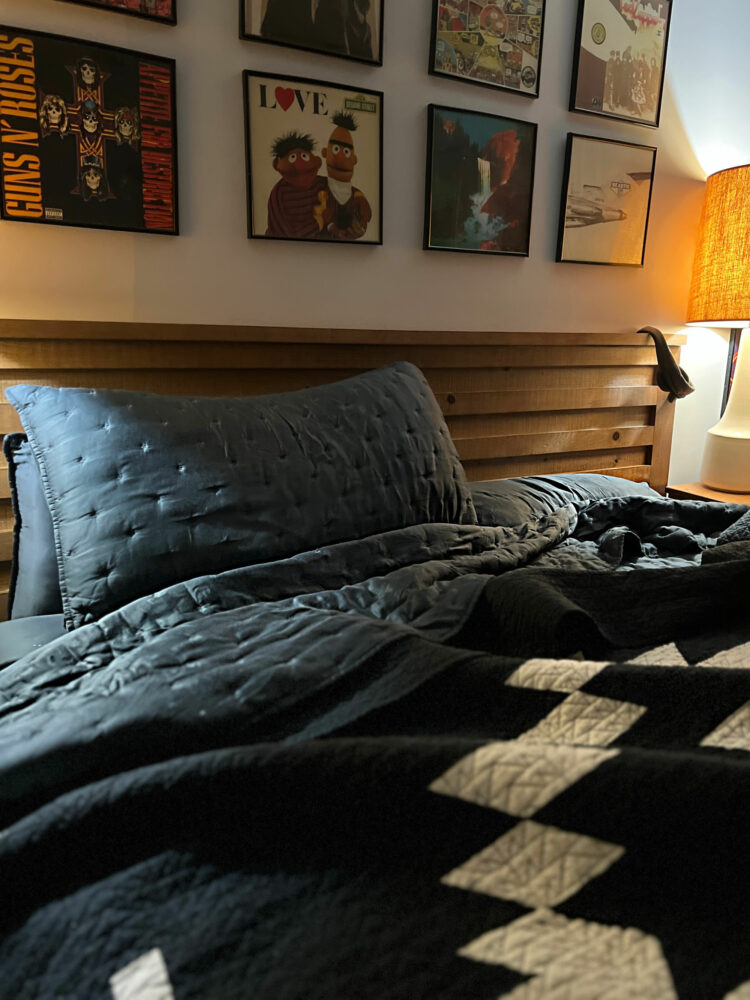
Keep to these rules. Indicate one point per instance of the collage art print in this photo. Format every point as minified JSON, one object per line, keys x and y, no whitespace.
{"x":314,"y":160}
{"x":87,"y":134}
{"x":480,"y":182}
{"x":159,"y":10}
{"x":494,"y":42}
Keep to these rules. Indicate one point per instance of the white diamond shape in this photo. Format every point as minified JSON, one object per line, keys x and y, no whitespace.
{"x":742,"y":992}
{"x":535,"y":865}
{"x":565,"y":676}
{"x":576,"y":958}
{"x":586,"y":719}
{"x":737,"y":658}
{"x":733,"y":733}
{"x":662,"y":656}
{"x":518,"y":778}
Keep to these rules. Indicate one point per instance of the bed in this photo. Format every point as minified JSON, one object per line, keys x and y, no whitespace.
{"x":344,"y":709}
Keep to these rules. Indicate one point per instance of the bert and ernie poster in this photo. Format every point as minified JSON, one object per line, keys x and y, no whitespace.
{"x":314,"y":160}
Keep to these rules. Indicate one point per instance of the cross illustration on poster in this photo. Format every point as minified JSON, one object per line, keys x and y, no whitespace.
{"x":92,"y":125}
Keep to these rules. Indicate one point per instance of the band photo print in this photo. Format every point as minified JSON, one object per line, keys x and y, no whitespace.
{"x":156,"y":10}
{"x":352,"y":29}
{"x":620,"y":58}
{"x":87,"y":135}
{"x":314,"y":160}
{"x":497,"y":43}
{"x":480,"y":182}
{"x":606,"y":201}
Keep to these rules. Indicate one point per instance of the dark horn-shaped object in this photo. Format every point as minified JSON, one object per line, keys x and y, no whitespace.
{"x":670,"y":377}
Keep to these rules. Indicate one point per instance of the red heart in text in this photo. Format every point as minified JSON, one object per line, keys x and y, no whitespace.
{"x":285,"y":97}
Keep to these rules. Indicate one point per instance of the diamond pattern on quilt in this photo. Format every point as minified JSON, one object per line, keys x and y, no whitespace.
{"x":741,"y":993}
{"x":518,"y":778}
{"x":535,"y":865}
{"x":565,"y":676}
{"x":733,"y":733}
{"x":147,"y":978}
{"x":736,"y":658}
{"x":576,"y":959}
{"x":661,"y":656}
{"x":586,"y":719}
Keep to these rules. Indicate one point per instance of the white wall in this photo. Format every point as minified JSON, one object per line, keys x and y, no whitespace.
{"x":214,"y":273}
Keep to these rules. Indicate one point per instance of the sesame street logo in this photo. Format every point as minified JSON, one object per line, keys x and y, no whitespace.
{"x":360,"y":103}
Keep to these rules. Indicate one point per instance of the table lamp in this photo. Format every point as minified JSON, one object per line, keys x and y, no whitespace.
{"x":720,"y":296}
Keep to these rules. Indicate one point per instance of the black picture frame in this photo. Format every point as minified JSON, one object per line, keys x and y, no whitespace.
{"x":117,"y":7}
{"x":458,"y":189}
{"x":612,"y":88}
{"x":122,"y":174}
{"x":521,"y":74}
{"x":251,"y":32}
{"x":594,"y":192}
{"x":265,"y":198}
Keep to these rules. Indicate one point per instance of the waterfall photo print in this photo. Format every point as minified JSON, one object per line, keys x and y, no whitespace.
{"x":480,"y":180}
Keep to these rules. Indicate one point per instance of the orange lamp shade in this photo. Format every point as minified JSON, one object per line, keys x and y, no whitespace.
{"x":720,"y":288}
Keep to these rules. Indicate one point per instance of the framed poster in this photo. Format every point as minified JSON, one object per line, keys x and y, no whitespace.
{"x":88,"y":134}
{"x":314,"y":160}
{"x":605,"y":202}
{"x":156,"y":10}
{"x":480,"y":182}
{"x":497,"y":43}
{"x":352,"y":29}
{"x":620,"y":57}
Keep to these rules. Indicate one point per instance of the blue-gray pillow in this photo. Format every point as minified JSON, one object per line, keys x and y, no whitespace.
{"x":510,"y":502}
{"x":145,"y":491}
{"x":34,"y":586}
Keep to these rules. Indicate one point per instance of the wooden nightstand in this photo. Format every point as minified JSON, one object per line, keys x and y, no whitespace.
{"x":697,"y":491}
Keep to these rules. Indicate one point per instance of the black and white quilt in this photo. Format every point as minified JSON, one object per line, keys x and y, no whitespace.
{"x":444,"y":762}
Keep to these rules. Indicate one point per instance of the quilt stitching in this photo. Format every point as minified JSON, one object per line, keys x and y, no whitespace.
{"x":518,"y":778}
{"x":535,"y":865}
{"x":586,"y":719}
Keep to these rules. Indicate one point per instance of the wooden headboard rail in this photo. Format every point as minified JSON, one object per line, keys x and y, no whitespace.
{"x":516,"y":403}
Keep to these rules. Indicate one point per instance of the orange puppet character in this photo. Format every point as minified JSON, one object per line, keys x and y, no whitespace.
{"x":294,"y":199}
{"x":347,"y":212}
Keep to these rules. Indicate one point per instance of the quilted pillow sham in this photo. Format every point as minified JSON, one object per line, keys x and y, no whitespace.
{"x":511,"y":502}
{"x":146,"y":490}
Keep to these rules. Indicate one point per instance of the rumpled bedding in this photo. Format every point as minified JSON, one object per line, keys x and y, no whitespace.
{"x":356,"y":773}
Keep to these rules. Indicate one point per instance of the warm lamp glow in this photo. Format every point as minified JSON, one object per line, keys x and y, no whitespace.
{"x":720,"y":289}
{"x":720,"y":296}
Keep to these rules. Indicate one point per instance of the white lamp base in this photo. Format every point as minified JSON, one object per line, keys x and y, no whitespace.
{"x":726,"y":459}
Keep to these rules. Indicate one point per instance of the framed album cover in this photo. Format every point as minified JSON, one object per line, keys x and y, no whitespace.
{"x":480,"y":182}
{"x":352,"y":29}
{"x":605,"y":202}
{"x":497,"y":43}
{"x":314,"y":160}
{"x":90,"y":136}
{"x":620,"y":58}
{"x":157,"y":10}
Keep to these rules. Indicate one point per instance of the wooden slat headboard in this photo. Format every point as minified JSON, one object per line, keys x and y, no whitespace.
{"x":516,"y":403}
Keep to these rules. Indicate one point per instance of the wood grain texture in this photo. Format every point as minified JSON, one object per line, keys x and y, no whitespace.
{"x":517,"y":403}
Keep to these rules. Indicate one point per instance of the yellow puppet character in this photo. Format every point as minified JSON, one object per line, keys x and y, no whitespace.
{"x":346,"y":212}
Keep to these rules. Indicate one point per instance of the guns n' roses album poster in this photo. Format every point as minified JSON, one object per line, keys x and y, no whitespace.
{"x":314,"y":160}
{"x":480,"y":181}
{"x":157,"y":10}
{"x":352,"y":29}
{"x":493,"y":42}
{"x":606,"y":201}
{"x":87,"y":134}
{"x":620,"y":56}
